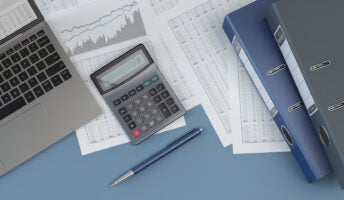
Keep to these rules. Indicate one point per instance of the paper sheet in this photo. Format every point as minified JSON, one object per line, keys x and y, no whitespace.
{"x":50,"y":7}
{"x":194,"y":31}
{"x":194,"y":55}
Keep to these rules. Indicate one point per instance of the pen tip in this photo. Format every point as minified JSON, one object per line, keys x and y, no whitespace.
{"x":201,"y":129}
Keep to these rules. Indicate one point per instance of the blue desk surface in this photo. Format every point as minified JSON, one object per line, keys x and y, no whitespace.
{"x":202,"y":169}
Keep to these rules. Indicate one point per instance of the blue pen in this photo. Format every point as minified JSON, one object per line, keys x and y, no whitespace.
{"x":160,"y":154}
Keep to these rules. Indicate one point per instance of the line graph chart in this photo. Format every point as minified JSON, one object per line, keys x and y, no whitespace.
{"x":122,"y":21}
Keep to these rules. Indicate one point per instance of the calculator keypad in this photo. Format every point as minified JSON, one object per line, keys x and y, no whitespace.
{"x":142,"y":111}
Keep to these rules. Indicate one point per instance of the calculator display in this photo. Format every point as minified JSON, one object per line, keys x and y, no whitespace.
{"x":123,"y":70}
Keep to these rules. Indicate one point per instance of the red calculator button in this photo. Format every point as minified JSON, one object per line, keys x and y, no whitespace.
{"x":136,"y":133}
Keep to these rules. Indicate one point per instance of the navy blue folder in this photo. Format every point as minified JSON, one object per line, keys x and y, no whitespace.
{"x":252,"y":39}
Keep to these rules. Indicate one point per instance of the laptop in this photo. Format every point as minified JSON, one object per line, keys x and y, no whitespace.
{"x":42,"y":97}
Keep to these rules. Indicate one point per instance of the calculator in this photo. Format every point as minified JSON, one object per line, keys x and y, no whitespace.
{"x":138,"y":94}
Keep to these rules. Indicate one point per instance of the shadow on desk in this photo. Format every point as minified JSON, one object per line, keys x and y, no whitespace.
{"x":202,"y":169}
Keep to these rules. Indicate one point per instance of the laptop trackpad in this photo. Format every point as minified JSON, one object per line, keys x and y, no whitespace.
{"x":21,"y":137}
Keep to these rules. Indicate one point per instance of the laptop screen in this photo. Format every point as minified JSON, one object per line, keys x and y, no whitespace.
{"x":14,"y":15}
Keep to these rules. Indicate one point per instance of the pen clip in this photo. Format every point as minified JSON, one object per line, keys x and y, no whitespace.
{"x":174,"y":141}
{"x":188,"y":134}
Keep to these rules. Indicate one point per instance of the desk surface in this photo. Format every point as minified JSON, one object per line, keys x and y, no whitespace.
{"x":202,"y":169}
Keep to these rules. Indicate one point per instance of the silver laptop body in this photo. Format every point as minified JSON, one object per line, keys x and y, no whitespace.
{"x":46,"y":104}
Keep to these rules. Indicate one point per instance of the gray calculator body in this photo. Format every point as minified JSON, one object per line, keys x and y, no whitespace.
{"x":138,"y":94}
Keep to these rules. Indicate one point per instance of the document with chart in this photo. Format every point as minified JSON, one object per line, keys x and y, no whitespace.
{"x":187,"y":41}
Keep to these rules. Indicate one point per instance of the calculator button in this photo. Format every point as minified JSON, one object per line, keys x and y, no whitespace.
{"x":153,"y":92}
{"x":144,"y":128}
{"x":155,"y":78}
{"x":131,"y":125}
{"x":154,"y":111}
{"x":150,"y":104}
{"x":136,"y":133}
{"x":117,"y":102}
{"x":160,"y":87}
{"x":132,"y":93}
{"x":159,"y":118}
{"x":125,"y":97}
{"x":130,"y":106}
{"x":139,"y":88}
{"x":134,"y":114}
{"x":127,"y":118}
{"x":151,"y":123}
{"x":146,"y":83}
{"x":165,"y":94}
{"x":139,"y":121}
{"x":137,"y":101}
{"x":142,"y":109}
{"x":164,"y":109}
{"x":122,"y":111}
{"x":147,"y":116}
{"x":174,"y":109}
{"x":145,"y":97}
{"x":157,"y":99}
{"x":169,"y":101}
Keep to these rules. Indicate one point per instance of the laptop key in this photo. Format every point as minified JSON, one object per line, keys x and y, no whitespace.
{"x":32,"y":71}
{"x":55,"y":68}
{"x":33,"y":37}
{"x":25,"y":42}
{"x":2,"y":56}
{"x":24,"y":52}
{"x":6,"y":98}
{"x":7,"y":74}
{"x":41,"y":65}
{"x":15,"y":58}
{"x":7,"y":63}
{"x":66,"y":75}
{"x":15,"y":93}
{"x":32,"y":82}
{"x":16,"y":69}
{"x":23,"y":76}
{"x":9,"y":51}
{"x":17,"y":47}
{"x":33,"y":47}
{"x":1,"y":79}
{"x":40,"y":33}
{"x":51,"y":48}
{"x":24,"y":87}
{"x":41,"y":77}
{"x":38,"y":91}
{"x":12,"y":107}
{"x":43,"y":53}
{"x":52,"y":59}
{"x":47,"y":86}
{"x":34,"y":58}
{"x":29,"y":96}
{"x":5,"y":87}
{"x":25,"y":63}
{"x":14,"y":81}
{"x":56,"y":80}
{"x":43,"y":41}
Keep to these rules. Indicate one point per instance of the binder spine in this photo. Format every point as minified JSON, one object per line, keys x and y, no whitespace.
{"x":281,"y":36}
{"x":308,"y":170}
{"x":279,"y":121}
{"x":295,"y":70}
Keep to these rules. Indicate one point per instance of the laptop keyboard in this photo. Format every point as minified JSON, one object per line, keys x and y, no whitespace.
{"x":28,"y":70}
